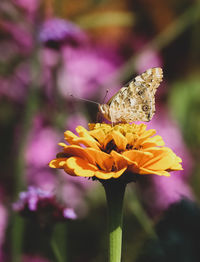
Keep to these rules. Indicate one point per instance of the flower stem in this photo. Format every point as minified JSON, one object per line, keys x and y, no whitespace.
{"x":56,"y":251}
{"x":115,"y":194}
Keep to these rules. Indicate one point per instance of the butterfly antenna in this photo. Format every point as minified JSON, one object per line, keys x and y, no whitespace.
{"x":78,"y":98}
{"x":105,"y":96}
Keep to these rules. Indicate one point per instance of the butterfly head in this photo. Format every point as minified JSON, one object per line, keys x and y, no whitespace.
{"x":104,"y":110}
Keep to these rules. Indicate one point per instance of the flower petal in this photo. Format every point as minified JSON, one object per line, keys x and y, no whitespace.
{"x":162,"y":159}
{"x":74,"y":150}
{"x":103,"y":160}
{"x":137,"y":156}
{"x":152,"y":142}
{"x":120,"y":160}
{"x":108,"y":175}
{"x":57,"y":163}
{"x":77,"y":166}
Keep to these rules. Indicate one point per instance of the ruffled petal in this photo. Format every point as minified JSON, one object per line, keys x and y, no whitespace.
{"x":57,"y":163}
{"x":108,"y":175}
{"x":77,"y":166}
{"x":120,"y":161}
{"x":74,"y":150}
{"x":103,"y":160}
{"x":162,"y":159}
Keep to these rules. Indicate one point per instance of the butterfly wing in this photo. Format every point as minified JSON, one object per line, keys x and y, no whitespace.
{"x":136,"y":102}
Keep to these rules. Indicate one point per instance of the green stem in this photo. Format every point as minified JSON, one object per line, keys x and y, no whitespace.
{"x":56,"y":250}
{"x":115,"y":190}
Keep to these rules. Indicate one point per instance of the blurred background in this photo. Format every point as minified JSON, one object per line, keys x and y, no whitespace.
{"x":50,"y":49}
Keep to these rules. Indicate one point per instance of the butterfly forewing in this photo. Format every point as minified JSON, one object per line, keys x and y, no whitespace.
{"x":136,"y":102}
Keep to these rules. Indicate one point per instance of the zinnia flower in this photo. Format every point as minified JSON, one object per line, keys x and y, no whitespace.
{"x":107,"y":151}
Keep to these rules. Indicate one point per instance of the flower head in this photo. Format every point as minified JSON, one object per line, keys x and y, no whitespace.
{"x":55,"y":31}
{"x":37,"y":203}
{"x":107,"y":151}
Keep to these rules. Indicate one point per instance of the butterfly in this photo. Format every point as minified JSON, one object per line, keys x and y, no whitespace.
{"x":135,"y":102}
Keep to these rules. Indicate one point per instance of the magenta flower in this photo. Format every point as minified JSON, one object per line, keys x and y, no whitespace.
{"x":83,"y":73}
{"x":40,"y":204}
{"x":30,"y":6}
{"x":71,"y":191}
{"x":149,"y":58}
{"x":56,"y":31}
{"x":20,"y":34}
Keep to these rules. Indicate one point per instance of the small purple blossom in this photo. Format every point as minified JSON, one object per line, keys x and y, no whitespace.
{"x":40,"y":204}
{"x":69,"y":213}
{"x":56,"y":31}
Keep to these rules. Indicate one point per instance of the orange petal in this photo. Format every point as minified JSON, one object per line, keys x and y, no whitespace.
{"x":98,"y":134}
{"x":103,"y":160}
{"x":144,"y":171}
{"x":153,"y":141}
{"x":144,"y":136}
{"x":108,"y":175}
{"x":77,"y":166}
{"x":162,"y":159}
{"x":57,"y":163}
{"x":69,"y":136}
{"x":120,"y":140}
{"x":120,"y":160}
{"x":74,"y":150}
{"x":137,"y":156}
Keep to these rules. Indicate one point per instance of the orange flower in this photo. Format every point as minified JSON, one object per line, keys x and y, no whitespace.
{"x":107,"y":151}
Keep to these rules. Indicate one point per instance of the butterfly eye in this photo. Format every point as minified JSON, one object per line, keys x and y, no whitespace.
{"x":145,"y":108}
{"x":140,"y":92}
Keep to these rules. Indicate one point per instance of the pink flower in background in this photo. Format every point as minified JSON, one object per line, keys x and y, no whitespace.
{"x":158,"y":193}
{"x":84,"y":72}
{"x":57,"y":31}
{"x":15,"y":86}
{"x":147,"y":59}
{"x":30,"y":6}
{"x":74,"y":120}
{"x":41,"y":147}
{"x":20,"y":33}
{"x":40,"y":204}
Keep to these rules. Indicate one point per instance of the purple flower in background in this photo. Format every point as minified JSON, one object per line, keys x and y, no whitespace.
{"x":75,"y":120}
{"x":3,"y":226}
{"x":149,"y":58}
{"x":30,"y":6}
{"x":83,"y":73}
{"x":20,"y":34}
{"x":43,"y":206}
{"x":57,"y":31}
{"x":158,"y":193}
{"x":41,"y":147}
{"x":15,"y":86}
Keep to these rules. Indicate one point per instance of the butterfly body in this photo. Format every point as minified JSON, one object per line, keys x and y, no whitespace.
{"x":135,"y":102}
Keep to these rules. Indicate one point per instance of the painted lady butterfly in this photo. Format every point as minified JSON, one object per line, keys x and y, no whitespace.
{"x":135,"y":102}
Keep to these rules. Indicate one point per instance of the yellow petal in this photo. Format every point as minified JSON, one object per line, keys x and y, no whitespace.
{"x":108,"y":175}
{"x":57,"y":163}
{"x":77,"y":166}
{"x":74,"y":150}
{"x":162,"y":159}
{"x":103,"y":160}
{"x":120,"y":161}
{"x":144,"y":171}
